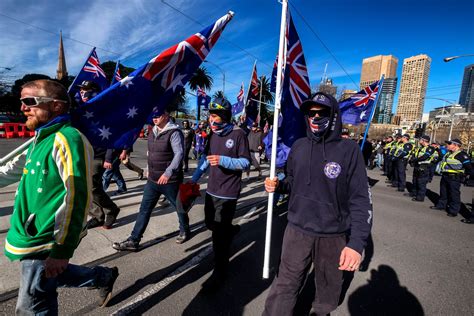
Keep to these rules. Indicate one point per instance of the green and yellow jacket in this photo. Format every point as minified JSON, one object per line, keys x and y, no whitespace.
{"x":54,"y":194}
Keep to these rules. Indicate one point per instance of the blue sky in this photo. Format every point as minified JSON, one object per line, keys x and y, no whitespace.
{"x":135,"y":31}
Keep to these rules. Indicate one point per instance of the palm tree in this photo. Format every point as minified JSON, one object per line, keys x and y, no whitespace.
{"x":267,"y":97}
{"x":201,"y":78}
{"x":178,"y":104}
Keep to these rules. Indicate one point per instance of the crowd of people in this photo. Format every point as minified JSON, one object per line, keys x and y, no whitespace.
{"x":329,"y":216}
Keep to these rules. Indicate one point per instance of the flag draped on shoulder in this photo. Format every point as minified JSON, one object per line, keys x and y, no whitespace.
{"x":114,"y":118}
{"x":295,"y":89}
{"x":203,"y":99}
{"x":238,"y":107}
{"x":251,"y":107}
{"x":91,"y":71}
{"x":357,"y":109}
{"x":116,"y":77}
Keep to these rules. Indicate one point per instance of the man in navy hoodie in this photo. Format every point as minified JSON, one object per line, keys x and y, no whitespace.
{"x":329,"y":214}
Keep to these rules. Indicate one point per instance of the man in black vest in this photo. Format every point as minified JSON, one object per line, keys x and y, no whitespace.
{"x":227,"y":156}
{"x":165,"y":173}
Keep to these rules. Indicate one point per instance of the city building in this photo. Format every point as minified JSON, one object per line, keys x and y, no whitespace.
{"x":448,"y":110}
{"x":61,"y":72}
{"x":466,"y":98}
{"x":383,"y":111}
{"x":374,"y":67}
{"x":413,"y":85}
{"x":346,"y":94}
{"x":328,"y":87}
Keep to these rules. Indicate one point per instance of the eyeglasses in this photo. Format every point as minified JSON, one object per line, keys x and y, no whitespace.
{"x":216,"y":106}
{"x":35,"y":101}
{"x":321,"y":113}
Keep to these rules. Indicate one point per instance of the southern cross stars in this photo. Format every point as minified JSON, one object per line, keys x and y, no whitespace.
{"x":132,"y":112}
{"x":88,"y":115}
{"x":176,"y":83}
{"x":126,"y":81}
{"x":104,"y":132}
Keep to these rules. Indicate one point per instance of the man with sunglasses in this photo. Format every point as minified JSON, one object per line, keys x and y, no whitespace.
{"x":329,"y":214}
{"x":50,"y":207}
{"x":227,"y":156}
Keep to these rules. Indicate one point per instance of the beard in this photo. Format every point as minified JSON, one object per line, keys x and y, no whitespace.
{"x":35,"y":121}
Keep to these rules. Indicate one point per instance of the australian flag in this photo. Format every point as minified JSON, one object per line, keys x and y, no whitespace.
{"x":295,"y":89}
{"x":91,"y":71}
{"x":114,"y":118}
{"x":358,"y":108}
{"x":238,"y":107}
{"x":203,"y":99}
{"x":116,"y":77}
{"x":251,"y":109}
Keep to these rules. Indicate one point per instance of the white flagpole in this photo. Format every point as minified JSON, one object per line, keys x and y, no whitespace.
{"x":268,"y":233}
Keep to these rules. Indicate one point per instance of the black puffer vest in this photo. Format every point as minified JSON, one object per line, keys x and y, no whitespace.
{"x":160,"y":155}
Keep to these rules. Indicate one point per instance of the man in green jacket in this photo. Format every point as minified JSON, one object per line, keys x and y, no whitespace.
{"x":51,"y":203}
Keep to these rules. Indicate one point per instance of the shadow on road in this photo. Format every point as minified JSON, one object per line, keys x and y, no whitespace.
{"x":383,"y":295}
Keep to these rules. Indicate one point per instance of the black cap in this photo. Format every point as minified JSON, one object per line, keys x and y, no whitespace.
{"x":89,"y":85}
{"x":319,"y":98}
{"x":221,"y":107}
{"x":454,"y":141}
{"x":406,"y":136}
{"x":398,"y":135}
{"x":426,"y":138}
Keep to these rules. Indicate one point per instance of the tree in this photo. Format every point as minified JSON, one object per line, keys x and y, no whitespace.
{"x":201,"y":78}
{"x":179,"y":103}
{"x":109,"y":68}
{"x":267,"y":98}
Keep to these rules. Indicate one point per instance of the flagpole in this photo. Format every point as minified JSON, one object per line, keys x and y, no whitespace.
{"x":75,"y":79}
{"x":260,"y":103}
{"x":276,"y":113}
{"x":372,"y":112}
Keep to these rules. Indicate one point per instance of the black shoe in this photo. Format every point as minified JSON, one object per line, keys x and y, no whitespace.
{"x":467,"y":221}
{"x":183,"y":237}
{"x":128,"y":244}
{"x":452,"y":215}
{"x":105,"y":292}
{"x":109,"y":221}
{"x":93,"y":223}
{"x":436,"y":208}
{"x":140,"y":175}
{"x":416,"y":200}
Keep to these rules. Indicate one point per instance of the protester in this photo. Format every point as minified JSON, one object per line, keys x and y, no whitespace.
{"x":127,"y":162}
{"x":345,"y":135}
{"x":330,"y":211}
{"x":52,"y":200}
{"x":188,"y":134}
{"x":366,"y":150}
{"x":455,"y":165}
{"x":165,"y":173}
{"x":227,"y":156}
{"x":112,"y":156}
{"x":104,"y":212}
{"x":255,"y":138}
{"x":400,"y":159}
{"x":200,"y":140}
{"x":421,"y":162}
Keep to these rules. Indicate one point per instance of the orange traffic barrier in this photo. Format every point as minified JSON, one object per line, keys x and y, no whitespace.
{"x":11,"y":129}
{"x":24,"y":131}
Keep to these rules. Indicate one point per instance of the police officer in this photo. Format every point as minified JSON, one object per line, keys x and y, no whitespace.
{"x":421,"y":162}
{"x":392,"y":175}
{"x":386,"y":150}
{"x":454,"y":165}
{"x":400,"y":158}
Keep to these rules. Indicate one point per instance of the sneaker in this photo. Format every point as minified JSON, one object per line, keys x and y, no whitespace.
{"x":109,"y":221}
{"x":128,"y":244}
{"x":105,"y":292}
{"x":93,"y":223}
{"x":183,"y":237}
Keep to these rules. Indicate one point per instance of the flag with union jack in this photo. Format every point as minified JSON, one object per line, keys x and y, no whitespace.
{"x":252,"y":106}
{"x":116,"y":77}
{"x":295,"y":89}
{"x":114,"y":118}
{"x":238,"y":107}
{"x":203,"y":99}
{"x":91,"y":71}
{"x":358,"y":108}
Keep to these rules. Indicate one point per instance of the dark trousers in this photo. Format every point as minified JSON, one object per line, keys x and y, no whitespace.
{"x":115,"y":174}
{"x":103,"y":205}
{"x":400,"y":174}
{"x":186,"y":157}
{"x":450,"y":193}
{"x":151,"y":195}
{"x":432,"y":171}
{"x":386,"y":162}
{"x":218,"y":217}
{"x":299,"y":250}
{"x":421,"y":176}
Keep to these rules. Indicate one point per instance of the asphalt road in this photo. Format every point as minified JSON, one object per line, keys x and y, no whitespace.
{"x":421,"y":262}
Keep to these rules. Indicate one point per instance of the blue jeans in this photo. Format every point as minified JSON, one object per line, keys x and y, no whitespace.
{"x":151,"y":195}
{"x":37,"y":294}
{"x":116,"y":175}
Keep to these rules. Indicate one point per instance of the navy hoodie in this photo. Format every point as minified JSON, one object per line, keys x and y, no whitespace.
{"x":328,"y":185}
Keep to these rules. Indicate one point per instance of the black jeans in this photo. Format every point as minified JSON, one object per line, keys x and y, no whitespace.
{"x":103,"y":205}
{"x":450,"y":193}
{"x":299,"y":250}
{"x":219,"y":214}
{"x":421,"y":177}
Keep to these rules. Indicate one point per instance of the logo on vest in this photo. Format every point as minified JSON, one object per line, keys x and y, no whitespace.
{"x":229,"y":143}
{"x":332,"y":170}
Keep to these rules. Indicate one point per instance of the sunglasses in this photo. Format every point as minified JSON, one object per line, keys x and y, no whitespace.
{"x":321,"y":113}
{"x":216,"y":106}
{"x":35,"y":101}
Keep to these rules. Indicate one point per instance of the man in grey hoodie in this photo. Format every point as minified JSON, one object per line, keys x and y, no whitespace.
{"x":165,"y":173}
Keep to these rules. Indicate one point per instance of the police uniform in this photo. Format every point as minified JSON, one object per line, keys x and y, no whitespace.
{"x":386,"y":158}
{"x":421,"y":161}
{"x":400,"y":158}
{"x":454,"y":166}
{"x":392,"y":175}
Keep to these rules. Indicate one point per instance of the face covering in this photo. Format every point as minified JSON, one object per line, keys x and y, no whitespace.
{"x":87,"y":95}
{"x":217,"y":127}
{"x":318,"y":125}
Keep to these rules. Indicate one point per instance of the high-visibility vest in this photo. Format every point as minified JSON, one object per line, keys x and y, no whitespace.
{"x":420,"y":152}
{"x":435,"y":155}
{"x":399,"y":149}
{"x":393,"y":147}
{"x":449,"y":164}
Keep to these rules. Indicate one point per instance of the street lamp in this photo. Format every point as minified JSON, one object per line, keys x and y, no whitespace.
{"x":223,"y":74}
{"x":448,"y":59}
